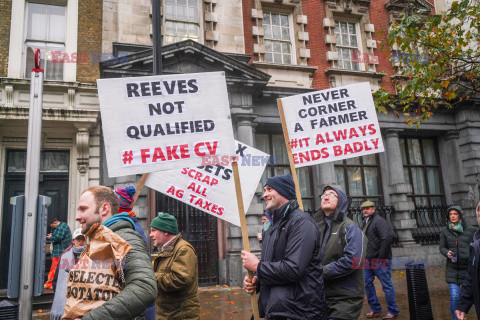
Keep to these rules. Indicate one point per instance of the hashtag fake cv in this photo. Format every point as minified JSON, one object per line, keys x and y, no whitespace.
{"x":170,"y":153}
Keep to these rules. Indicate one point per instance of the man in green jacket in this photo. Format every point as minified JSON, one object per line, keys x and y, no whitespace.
{"x":176,"y":270}
{"x":60,"y":237}
{"x":100,"y":205}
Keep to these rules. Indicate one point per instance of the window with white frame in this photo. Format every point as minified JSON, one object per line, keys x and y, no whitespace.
{"x":347,"y":45}
{"x":45,"y":30}
{"x":182,"y":21}
{"x":278,"y":41}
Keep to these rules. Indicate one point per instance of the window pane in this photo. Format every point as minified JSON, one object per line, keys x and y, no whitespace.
{"x":54,"y":161}
{"x":268,"y":32}
{"x":37,"y":21}
{"x":433,"y":176}
{"x":355,"y":160}
{"x":406,"y":176}
{"x":287,"y":59}
{"x":340,"y":178}
{"x":304,"y":181}
{"x":418,"y":181}
{"x":354,"y":181}
{"x":421,"y":201}
{"x":261,"y":143}
{"x":284,"y":20}
{"x":414,"y":152}
{"x":16,"y":160}
{"x":370,"y":159}
{"x":277,"y":58}
{"x":353,"y":41}
{"x":57,"y":24}
{"x":429,"y":152}
{"x":275,"y":19}
{"x":371,"y":179}
{"x":285,"y":34}
{"x":281,"y":170}
{"x":266,"y":18}
{"x":436,"y":201}
{"x":276,"y":33}
{"x":279,"y":149}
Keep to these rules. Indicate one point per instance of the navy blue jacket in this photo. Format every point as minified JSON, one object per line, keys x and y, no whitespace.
{"x":290,"y":271}
{"x":470,"y":291}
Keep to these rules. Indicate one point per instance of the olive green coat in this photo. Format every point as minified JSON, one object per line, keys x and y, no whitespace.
{"x":176,"y":270}
{"x":140,"y":287}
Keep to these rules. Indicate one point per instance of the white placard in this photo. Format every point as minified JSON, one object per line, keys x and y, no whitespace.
{"x":164,"y":122}
{"x":332,"y":124}
{"x":211,"y":187}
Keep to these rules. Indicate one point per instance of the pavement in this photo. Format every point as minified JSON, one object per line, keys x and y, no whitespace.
{"x":222,"y":302}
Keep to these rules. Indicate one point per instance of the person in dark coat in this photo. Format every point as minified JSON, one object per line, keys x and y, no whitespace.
{"x":289,"y":274}
{"x":455,"y":240}
{"x":470,"y":289}
{"x":344,"y":246}
{"x":378,"y":261}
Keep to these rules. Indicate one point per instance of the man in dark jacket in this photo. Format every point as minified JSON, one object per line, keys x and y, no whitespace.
{"x":98,"y":205}
{"x":343,"y":244}
{"x":470,"y":290}
{"x":378,"y":261}
{"x":289,"y":275}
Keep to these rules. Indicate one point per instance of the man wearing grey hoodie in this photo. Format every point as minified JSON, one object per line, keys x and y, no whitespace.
{"x":343,"y":245}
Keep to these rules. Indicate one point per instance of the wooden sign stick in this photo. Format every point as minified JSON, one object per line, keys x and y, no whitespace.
{"x":290,"y":157}
{"x":243,"y":224}
{"x":140,"y":185}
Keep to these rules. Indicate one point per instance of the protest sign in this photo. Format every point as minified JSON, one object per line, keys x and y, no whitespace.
{"x":332,"y":124}
{"x":211,"y":187}
{"x":164,"y":122}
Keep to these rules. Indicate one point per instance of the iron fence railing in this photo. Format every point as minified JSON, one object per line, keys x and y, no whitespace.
{"x":430,"y":222}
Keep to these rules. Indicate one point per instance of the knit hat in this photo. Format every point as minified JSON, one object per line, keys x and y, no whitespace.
{"x":455,"y":207}
{"x":125,"y":198}
{"x":367,"y":204}
{"x":282,"y":184}
{"x":165,"y":222}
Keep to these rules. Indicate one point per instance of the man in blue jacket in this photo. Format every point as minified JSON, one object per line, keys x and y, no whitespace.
{"x":289,"y":275}
{"x":343,"y":245}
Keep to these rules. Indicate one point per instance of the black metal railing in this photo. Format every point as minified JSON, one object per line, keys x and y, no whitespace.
{"x":430,"y":222}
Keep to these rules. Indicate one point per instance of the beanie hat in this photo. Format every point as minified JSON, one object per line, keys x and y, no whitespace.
{"x":165,"y":222}
{"x":455,"y":207}
{"x":284,"y":185}
{"x":125,"y":198}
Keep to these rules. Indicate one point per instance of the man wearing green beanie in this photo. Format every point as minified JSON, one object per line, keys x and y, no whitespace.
{"x":176,"y":270}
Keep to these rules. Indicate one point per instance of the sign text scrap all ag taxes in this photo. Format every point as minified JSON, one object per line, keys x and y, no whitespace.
{"x":211,"y":186}
{"x":332,"y":124}
{"x":164,"y":122}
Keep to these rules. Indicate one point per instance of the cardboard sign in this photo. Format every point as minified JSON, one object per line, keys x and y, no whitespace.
{"x":332,"y":124}
{"x":211,"y":187}
{"x":164,"y":122}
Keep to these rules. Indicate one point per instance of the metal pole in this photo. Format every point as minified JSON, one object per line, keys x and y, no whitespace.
{"x":157,"y":36}
{"x":157,"y":65}
{"x":31,"y":189}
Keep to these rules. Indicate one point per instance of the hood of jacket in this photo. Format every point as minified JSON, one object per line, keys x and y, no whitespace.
{"x":342,"y":204}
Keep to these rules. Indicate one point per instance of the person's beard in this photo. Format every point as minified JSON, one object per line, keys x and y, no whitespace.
{"x":88,"y":226}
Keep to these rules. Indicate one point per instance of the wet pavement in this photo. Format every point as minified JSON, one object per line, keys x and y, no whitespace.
{"x":223,"y":302}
